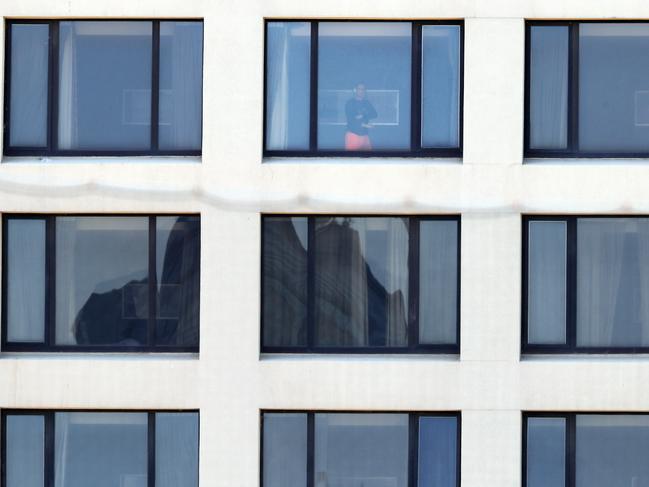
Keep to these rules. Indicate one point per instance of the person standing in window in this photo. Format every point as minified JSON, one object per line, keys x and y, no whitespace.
{"x":359,"y":112}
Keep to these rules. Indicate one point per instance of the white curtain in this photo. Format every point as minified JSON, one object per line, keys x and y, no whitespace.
{"x":277,"y":80}
{"x":68,"y":119}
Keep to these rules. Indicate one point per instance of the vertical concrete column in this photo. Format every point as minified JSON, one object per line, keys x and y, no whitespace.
{"x":491,"y":287}
{"x":491,"y":448}
{"x":494,"y":68}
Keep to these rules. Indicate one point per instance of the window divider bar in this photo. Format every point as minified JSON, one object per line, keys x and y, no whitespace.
{"x":528,"y":85}
{"x":413,"y":449}
{"x":310,"y":284}
{"x":571,"y":443}
{"x":155,"y":85}
{"x":53,"y":91}
{"x":310,"y":449}
{"x":48,"y":458}
{"x":151,"y":449}
{"x":573,"y":87}
{"x":571,"y":283}
{"x":413,"y":282}
{"x":313,"y":101}
{"x":49,"y":336}
{"x":153,"y":285}
{"x":7,"y":93}
{"x":416,"y":96}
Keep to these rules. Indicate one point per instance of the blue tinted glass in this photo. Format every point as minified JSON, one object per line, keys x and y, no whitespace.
{"x":29,"y":77}
{"x":288,"y":46}
{"x":437,"y":452}
{"x":546,"y":452}
{"x":176,"y":450}
{"x":24,"y":452}
{"x":104,"y":85}
{"x":181,"y":85}
{"x":364,"y":85}
{"x":284,"y":450}
{"x":548,"y":87}
{"x":614,"y":87}
{"x":440,"y":86}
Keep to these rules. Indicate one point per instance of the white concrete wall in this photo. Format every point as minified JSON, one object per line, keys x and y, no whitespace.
{"x":231,"y":185}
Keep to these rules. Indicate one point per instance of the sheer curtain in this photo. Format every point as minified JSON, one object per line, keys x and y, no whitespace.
{"x":277,"y":86}
{"x":68,"y":116}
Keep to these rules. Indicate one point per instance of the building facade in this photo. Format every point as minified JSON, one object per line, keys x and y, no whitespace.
{"x":492,"y":188}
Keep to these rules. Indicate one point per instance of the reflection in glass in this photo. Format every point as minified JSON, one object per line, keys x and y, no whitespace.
{"x":109,"y":448}
{"x":361,"y":288}
{"x":612,"y":282}
{"x":176,"y":450}
{"x":24,"y":452}
{"x":284,"y":450}
{"x":613,"y":87}
{"x":549,"y":87}
{"x":440,"y":86}
{"x":29,"y":75}
{"x":611,"y":451}
{"x":437,"y":452}
{"x":438,"y":295}
{"x":101,"y":280}
{"x":364,"y":85}
{"x":181,"y":85}
{"x":284,"y":281}
{"x":25,"y":280}
{"x":288,"y":47}
{"x":546,"y":452}
{"x":546,"y":308}
{"x":178,"y":280}
{"x":104,"y":85}
{"x":361,"y":450}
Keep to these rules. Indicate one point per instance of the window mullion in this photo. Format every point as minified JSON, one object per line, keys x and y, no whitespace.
{"x":155,"y":84}
{"x":48,"y":446}
{"x":153,"y":285}
{"x":573,"y":89}
{"x":53,"y":91}
{"x":413,"y":447}
{"x":310,"y":284}
{"x":313,"y":108}
{"x":415,"y":83}
{"x":151,"y":449}
{"x":310,"y":449}
{"x":413,"y":282}
{"x":50,"y":281}
{"x":571,"y":450}
{"x":571,"y":287}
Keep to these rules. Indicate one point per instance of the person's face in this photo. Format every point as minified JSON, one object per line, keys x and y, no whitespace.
{"x":360,"y":91}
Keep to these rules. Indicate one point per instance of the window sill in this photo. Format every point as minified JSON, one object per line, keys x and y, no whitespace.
{"x":387,"y":160}
{"x":118,"y":356}
{"x":40,"y":160}
{"x":356,"y":357}
{"x":585,"y":357}
{"x":591,"y":161}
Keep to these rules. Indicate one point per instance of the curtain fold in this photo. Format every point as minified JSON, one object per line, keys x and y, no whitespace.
{"x":277,"y":86}
{"x":67,"y":95}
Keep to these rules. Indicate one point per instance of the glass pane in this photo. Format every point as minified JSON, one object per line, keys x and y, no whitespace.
{"x":546,"y":452}
{"x":361,"y":282}
{"x":548,"y":110}
{"x":546,"y":301}
{"x":437,"y":452}
{"x":364,"y":85}
{"x":440,"y":86}
{"x":102,"y":280}
{"x":612,"y":282}
{"x":438,"y":292}
{"x":24,"y":452}
{"x":104,"y":85}
{"x":181,"y":85}
{"x":178,"y":246}
{"x":288,"y":68}
{"x":361,"y":450}
{"x":25,"y":280}
{"x":110,"y":449}
{"x":176,"y":449}
{"x":612,"y":451}
{"x":29,"y":77}
{"x":284,"y":450}
{"x":613,"y":87}
{"x":284,"y":281}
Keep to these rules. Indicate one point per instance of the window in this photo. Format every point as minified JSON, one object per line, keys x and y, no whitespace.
{"x":360,"y":449}
{"x":97,"y":283}
{"x":363,"y":88}
{"x":357,"y":284}
{"x":89,"y":87}
{"x":103,"y":449}
{"x":584,"y":99}
{"x":579,"y":450}
{"x":586,"y":284}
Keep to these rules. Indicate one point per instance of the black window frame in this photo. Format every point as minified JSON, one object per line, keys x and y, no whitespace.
{"x":570,"y":347}
{"x":52,"y":94}
{"x":415,"y":96}
{"x":572,"y":149}
{"x":413,"y":295}
{"x":49,"y":343}
{"x":49,"y":438}
{"x":570,"y":437}
{"x":413,"y":439}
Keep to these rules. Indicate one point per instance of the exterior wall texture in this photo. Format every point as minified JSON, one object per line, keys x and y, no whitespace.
{"x":231,"y":185}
